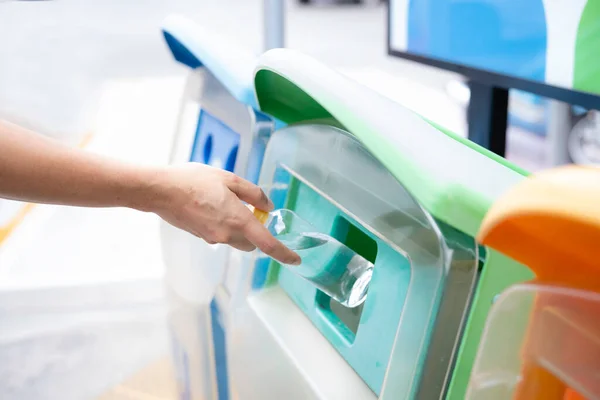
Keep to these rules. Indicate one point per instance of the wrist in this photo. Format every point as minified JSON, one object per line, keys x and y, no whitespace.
{"x":149,"y":189}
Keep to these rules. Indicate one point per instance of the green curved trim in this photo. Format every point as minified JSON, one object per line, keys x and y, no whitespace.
{"x":288,"y":98}
{"x":451,"y":177}
{"x":586,"y":69}
{"x":476,"y":147}
{"x":284,"y":100}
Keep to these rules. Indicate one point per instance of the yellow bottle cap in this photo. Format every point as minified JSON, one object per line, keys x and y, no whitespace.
{"x":260,"y":215}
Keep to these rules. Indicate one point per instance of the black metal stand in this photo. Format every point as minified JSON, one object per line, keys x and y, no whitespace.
{"x":487,"y":116}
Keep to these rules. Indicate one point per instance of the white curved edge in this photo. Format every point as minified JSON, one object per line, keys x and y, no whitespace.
{"x":398,"y":10}
{"x":562,"y":20}
{"x":273,"y":335}
{"x":233,"y":65}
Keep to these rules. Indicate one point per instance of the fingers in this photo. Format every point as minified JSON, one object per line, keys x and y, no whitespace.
{"x":240,"y":242}
{"x":249,"y":192}
{"x":244,"y":246}
{"x":237,"y":241}
{"x":257,"y":234}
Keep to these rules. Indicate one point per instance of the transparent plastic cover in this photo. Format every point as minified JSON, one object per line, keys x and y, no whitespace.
{"x":540,"y":342}
{"x":333,"y":164}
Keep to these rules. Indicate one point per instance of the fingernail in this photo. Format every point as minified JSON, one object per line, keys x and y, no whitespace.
{"x":296,"y":262}
{"x":271,"y":205}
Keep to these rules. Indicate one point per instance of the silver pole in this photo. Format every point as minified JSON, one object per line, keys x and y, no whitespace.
{"x":274,"y":24}
{"x":559,"y":127}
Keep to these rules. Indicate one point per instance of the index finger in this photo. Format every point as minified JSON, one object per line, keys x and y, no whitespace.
{"x":249,"y":192}
{"x":260,"y":236}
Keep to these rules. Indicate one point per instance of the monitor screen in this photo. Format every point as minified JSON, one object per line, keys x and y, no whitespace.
{"x":541,"y":42}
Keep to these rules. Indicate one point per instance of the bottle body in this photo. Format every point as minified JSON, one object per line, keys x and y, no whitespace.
{"x":328,"y":264}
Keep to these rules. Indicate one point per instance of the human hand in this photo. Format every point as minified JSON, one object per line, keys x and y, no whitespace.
{"x":207,"y":202}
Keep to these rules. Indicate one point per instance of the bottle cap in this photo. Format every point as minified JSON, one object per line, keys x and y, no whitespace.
{"x":260,"y":215}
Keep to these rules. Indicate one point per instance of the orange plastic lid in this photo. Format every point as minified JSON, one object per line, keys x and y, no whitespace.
{"x":551,"y":223}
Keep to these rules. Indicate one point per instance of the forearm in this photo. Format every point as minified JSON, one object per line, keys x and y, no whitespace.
{"x":205,"y":201}
{"x":36,"y":169}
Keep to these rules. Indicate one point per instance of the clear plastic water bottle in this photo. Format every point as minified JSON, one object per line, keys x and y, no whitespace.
{"x":328,"y":264}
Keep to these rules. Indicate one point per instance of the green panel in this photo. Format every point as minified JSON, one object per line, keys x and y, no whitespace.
{"x":498,"y":274}
{"x":354,"y":238}
{"x":368,"y":351}
{"x":586,"y":71}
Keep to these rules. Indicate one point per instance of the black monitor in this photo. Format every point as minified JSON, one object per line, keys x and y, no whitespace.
{"x":546,"y":47}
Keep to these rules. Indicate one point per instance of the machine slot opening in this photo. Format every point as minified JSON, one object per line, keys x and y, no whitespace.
{"x":346,"y":319}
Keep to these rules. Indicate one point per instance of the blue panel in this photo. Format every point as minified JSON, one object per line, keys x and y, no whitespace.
{"x":257,"y":151}
{"x":261,"y":270}
{"x":218,"y":334}
{"x":215,"y":143}
{"x":502,"y":36}
{"x":181,"y":52}
{"x":232,"y":65}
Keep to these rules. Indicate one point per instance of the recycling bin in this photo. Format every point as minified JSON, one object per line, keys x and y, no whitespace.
{"x":219,"y":125}
{"x":403,"y":195}
{"x":542,"y":338}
